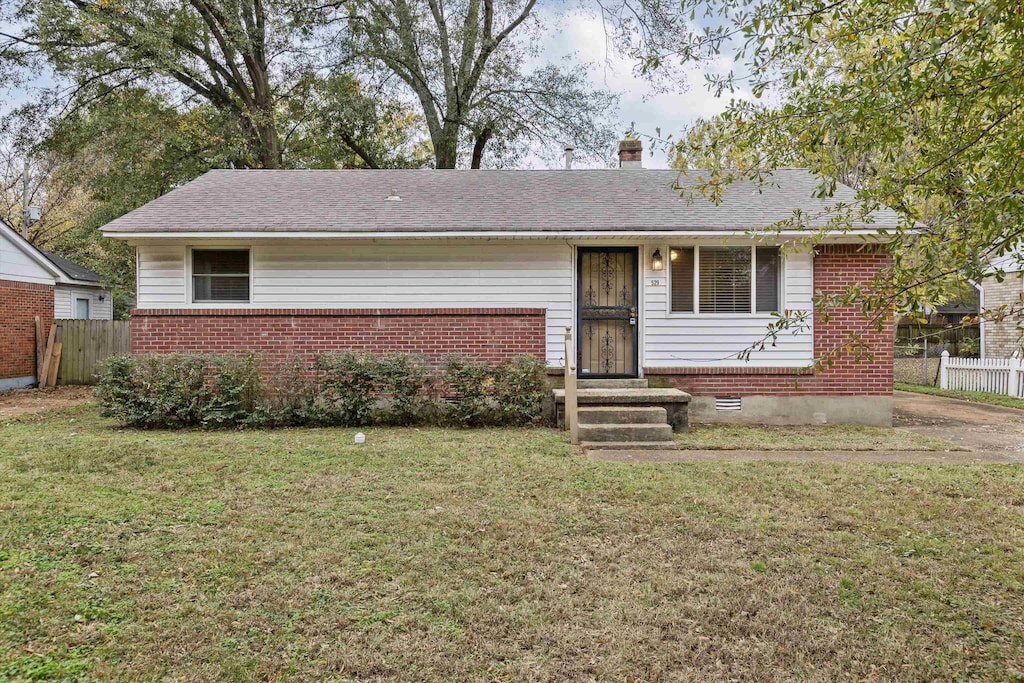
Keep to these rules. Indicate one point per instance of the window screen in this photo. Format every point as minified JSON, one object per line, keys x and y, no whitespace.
{"x":725,"y":279}
{"x":768,"y":261}
{"x":220,"y":275}
{"x":681,"y":262}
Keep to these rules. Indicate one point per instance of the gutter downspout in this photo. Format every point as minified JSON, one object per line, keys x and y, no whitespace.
{"x":981,"y":319}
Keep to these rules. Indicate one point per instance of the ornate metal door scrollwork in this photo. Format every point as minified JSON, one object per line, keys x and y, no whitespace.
{"x":608,"y":312}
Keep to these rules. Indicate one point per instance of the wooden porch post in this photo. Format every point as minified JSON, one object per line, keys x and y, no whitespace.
{"x":40,"y":351}
{"x":571,"y":417}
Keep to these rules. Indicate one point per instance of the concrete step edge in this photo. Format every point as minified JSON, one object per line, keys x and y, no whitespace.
{"x":629,"y":445}
{"x":623,"y":415}
{"x":626,"y":432}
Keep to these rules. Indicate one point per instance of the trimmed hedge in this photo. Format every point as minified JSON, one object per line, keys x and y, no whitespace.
{"x":350,"y":389}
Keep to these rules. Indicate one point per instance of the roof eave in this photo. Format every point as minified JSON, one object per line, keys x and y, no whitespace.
{"x":33,"y":252}
{"x":71,"y":282}
{"x":859,"y":233}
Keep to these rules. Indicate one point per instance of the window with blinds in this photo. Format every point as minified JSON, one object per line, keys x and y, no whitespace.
{"x":220,"y":275}
{"x":768,"y":261}
{"x":725,"y":280}
{"x":730,"y":279}
{"x":681,"y":275}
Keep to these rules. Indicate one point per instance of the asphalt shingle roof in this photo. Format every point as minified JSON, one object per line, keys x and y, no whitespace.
{"x":72,"y":269}
{"x":435,"y":201}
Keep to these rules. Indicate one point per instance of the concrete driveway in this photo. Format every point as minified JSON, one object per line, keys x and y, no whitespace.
{"x":990,"y":434}
{"x":982,"y":428}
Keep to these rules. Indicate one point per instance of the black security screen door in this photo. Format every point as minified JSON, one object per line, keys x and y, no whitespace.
{"x":607,"y":311}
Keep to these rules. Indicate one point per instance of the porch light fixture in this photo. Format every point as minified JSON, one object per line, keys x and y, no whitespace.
{"x":657,"y":263}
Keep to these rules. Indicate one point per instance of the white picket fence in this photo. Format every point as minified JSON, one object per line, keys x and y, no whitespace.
{"x":992,"y":375}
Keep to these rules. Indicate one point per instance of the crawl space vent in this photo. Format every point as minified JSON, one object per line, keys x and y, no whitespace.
{"x":727,"y":403}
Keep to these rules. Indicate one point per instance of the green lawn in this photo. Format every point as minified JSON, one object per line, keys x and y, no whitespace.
{"x":975,"y":396}
{"x":490,"y":555}
{"x":811,"y":438}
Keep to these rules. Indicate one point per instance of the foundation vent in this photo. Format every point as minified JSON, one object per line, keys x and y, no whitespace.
{"x":728,"y":403}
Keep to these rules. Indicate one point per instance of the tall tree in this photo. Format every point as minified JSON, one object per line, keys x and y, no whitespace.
{"x":248,"y":60}
{"x":466,"y":63}
{"x":219,"y":51}
{"x":922,"y":102}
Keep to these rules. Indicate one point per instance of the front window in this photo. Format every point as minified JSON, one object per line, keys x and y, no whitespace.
{"x":725,"y":279}
{"x":220,"y":275}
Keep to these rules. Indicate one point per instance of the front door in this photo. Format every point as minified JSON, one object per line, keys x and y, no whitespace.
{"x":607,"y":311}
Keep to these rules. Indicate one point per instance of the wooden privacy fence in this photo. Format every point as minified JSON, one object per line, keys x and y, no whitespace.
{"x":991,"y":375}
{"x":85,"y":344}
{"x":960,"y":340}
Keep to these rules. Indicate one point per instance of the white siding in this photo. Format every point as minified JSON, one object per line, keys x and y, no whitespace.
{"x":401,"y":274}
{"x":481,"y":274}
{"x":64,"y":302}
{"x":704,"y":340}
{"x":15,"y":264}
{"x":161,"y":276}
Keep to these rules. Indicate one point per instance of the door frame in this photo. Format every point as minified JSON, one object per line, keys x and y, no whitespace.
{"x":578,"y":314}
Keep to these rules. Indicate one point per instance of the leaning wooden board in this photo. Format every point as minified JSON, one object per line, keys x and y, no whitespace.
{"x":47,"y":358}
{"x":40,"y":348}
{"x":51,"y":378}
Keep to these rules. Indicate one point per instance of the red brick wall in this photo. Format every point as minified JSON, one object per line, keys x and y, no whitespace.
{"x":835,"y":267}
{"x":20,"y":302}
{"x":491,"y":334}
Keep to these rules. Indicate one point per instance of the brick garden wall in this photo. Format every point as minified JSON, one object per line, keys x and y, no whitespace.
{"x":20,"y":302}
{"x":490,"y":334}
{"x":835,"y":267}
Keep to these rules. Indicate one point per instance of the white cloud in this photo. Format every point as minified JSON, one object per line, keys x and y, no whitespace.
{"x":581,"y":35}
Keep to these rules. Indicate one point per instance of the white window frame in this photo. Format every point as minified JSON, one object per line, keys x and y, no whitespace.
{"x":88,"y":307}
{"x":752,"y":313}
{"x":189,"y":263}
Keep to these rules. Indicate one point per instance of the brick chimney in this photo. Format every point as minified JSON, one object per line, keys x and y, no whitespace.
{"x":631,"y":154}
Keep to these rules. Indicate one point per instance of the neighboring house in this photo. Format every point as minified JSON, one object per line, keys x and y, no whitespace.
{"x":496,"y":263}
{"x":35,"y":282}
{"x":962,"y":312}
{"x":1003,"y":338}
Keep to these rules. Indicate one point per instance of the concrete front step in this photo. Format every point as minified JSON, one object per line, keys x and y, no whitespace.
{"x":625,"y":433}
{"x":615,"y":397}
{"x":630,"y":446}
{"x":584,"y":383}
{"x":595,"y":415}
{"x":673,"y":401}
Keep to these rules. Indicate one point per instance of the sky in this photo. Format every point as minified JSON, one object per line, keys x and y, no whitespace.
{"x":641,"y":106}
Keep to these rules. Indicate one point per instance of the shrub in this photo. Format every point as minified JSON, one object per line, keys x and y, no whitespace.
{"x":155,"y":391}
{"x":346,"y":387}
{"x":519,"y":388}
{"x":341,"y":389}
{"x":288,"y":395}
{"x":469,"y":388}
{"x":408,"y":383}
{"x":235,"y":392}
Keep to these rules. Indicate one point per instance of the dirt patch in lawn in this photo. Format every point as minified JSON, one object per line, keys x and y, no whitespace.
{"x":978,"y":427}
{"x":823,"y":457}
{"x":830,"y":438}
{"x":31,"y":401}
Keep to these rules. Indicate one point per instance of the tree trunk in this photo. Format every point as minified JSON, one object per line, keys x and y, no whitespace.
{"x":478,"y":146}
{"x":446,"y":147}
{"x":270,"y":146}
